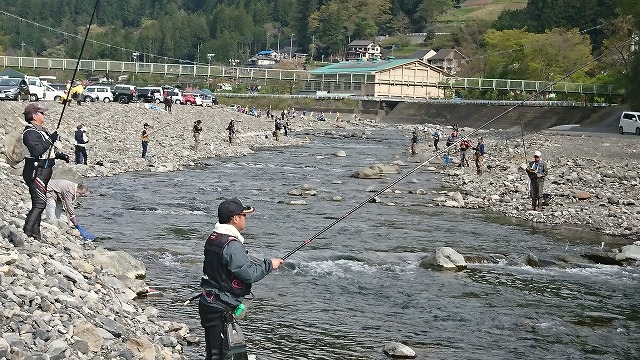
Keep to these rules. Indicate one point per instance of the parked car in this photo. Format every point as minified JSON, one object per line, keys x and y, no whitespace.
{"x":197,"y":99}
{"x":175,"y":95}
{"x":55,"y":94}
{"x":124,"y":94}
{"x":10,"y":88}
{"x":629,"y":122}
{"x":208,"y":100}
{"x":189,"y":99}
{"x":37,"y":90}
{"x":150,"y":94}
{"x":98,"y":93}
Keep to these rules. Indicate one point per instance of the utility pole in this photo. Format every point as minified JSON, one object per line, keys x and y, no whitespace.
{"x":291,"y":46}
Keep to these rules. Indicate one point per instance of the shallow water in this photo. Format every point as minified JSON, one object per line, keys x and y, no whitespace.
{"x":358,"y":285}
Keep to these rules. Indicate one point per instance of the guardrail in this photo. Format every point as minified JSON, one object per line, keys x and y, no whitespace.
{"x":418,"y":100}
{"x":255,"y":74}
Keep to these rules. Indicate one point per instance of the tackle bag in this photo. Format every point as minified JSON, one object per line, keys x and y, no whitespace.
{"x":233,"y":344}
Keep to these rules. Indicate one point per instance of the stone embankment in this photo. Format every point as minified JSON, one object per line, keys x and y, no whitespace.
{"x":62,"y":298}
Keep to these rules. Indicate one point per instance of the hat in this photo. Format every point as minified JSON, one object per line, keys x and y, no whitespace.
{"x":145,"y":124}
{"x":32,"y":108}
{"x":537,"y":153}
{"x":230,"y":208}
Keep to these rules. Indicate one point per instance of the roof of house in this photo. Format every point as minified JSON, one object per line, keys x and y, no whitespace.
{"x":266,"y":52}
{"x":445,"y":53}
{"x":419,"y":54}
{"x":360,"y":43}
{"x":359,"y":67}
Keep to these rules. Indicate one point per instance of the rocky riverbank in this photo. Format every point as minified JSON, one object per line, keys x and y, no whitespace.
{"x":62,"y":298}
{"x":593,"y":179}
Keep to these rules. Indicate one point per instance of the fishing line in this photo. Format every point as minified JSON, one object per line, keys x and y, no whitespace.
{"x":462,"y":138}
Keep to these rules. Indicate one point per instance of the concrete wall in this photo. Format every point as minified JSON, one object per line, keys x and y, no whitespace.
{"x":532,"y":118}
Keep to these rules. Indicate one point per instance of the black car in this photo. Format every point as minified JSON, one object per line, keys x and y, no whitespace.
{"x":125,"y":94}
{"x":150,"y":94}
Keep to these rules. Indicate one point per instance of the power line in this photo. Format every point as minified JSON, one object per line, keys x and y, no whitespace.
{"x":89,"y":40}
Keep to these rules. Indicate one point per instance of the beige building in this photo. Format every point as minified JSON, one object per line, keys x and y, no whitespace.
{"x":392,"y":78}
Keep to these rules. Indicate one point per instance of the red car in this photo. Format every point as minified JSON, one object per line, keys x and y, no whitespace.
{"x":188,"y":99}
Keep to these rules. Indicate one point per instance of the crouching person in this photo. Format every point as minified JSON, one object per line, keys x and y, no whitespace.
{"x":61,"y":200}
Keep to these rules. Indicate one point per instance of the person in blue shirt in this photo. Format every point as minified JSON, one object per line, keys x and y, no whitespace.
{"x":436,"y":139}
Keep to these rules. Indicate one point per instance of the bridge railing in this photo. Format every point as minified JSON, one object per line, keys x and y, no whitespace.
{"x":531,"y":85}
{"x":536,"y":103}
{"x":256,"y":74}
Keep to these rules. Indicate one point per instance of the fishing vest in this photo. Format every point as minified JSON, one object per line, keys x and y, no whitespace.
{"x":218,"y":276}
{"x":80,"y":138}
{"x":144,"y":136}
{"x":46,"y":139}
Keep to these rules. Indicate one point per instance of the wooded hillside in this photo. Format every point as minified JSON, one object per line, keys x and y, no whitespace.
{"x":188,"y":30}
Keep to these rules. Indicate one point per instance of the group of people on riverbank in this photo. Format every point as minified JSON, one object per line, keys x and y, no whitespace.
{"x":536,"y":169}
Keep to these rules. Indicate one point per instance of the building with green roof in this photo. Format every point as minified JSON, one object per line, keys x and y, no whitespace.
{"x":395,"y":78}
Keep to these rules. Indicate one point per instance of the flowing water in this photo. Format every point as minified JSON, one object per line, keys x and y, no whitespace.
{"x":359,"y":285}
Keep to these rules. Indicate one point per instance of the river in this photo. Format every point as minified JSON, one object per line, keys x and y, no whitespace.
{"x":359,"y":285}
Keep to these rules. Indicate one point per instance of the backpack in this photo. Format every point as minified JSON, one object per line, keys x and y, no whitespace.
{"x":14,"y":149}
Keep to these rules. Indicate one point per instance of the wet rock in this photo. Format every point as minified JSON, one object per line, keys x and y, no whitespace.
{"x":444,"y":258}
{"x":629,"y":252}
{"x":397,"y":350}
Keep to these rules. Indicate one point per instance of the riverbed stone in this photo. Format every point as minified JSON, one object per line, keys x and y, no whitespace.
{"x":398,"y":350}
{"x":444,"y":258}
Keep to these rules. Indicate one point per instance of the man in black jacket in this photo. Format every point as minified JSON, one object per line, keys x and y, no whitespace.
{"x":38,"y":166}
{"x":228,"y":274}
{"x":81,"y":143}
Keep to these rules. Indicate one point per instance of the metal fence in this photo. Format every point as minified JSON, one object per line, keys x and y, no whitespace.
{"x":197,"y":70}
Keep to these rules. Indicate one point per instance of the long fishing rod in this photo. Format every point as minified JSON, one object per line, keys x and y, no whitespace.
{"x":75,"y":71}
{"x":371,"y":198}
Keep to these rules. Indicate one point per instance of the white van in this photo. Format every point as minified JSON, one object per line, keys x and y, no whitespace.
{"x":37,"y":90}
{"x":629,"y":122}
{"x":97,"y":93}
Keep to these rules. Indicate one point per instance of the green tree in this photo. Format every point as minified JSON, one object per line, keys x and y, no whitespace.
{"x":331,"y":27}
{"x":632,"y":9}
{"x":516,"y":54}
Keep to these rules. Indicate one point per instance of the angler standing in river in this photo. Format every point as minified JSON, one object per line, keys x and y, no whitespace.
{"x":228,"y":274}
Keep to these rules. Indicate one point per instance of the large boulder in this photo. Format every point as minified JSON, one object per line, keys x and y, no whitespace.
{"x":119,"y":263}
{"x":376,"y":171}
{"x":444,"y":258}
{"x":629,"y":252}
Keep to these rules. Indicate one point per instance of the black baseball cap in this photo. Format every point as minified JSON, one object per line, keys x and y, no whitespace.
{"x":230,"y":208}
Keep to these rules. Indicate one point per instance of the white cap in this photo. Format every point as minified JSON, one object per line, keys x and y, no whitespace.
{"x":537,"y":153}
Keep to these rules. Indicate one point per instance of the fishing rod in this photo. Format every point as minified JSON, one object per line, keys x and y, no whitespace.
{"x":465,"y":137}
{"x":75,"y":71}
